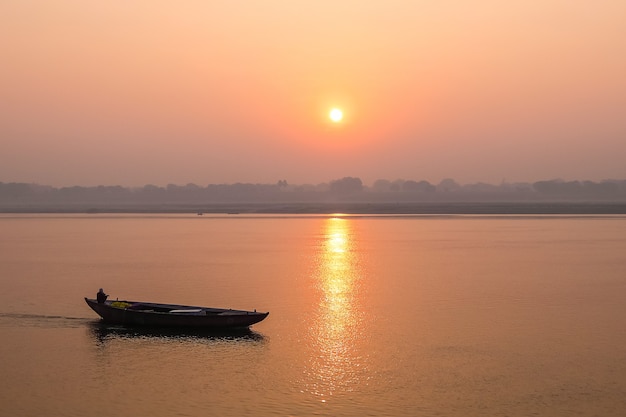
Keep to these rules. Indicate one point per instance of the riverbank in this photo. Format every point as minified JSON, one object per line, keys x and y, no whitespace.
{"x":529,"y":208}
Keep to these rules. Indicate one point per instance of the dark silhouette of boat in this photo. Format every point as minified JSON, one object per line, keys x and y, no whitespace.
{"x":139,"y":313}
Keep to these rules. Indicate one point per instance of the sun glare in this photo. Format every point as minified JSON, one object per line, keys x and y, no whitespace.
{"x":336,"y":115}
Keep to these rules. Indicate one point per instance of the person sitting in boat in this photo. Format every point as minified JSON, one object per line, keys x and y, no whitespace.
{"x":101,"y":296}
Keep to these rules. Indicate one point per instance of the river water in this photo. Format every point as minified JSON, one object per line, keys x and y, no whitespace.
{"x":369,"y":315}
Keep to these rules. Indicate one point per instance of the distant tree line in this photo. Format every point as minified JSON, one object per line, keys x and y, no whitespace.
{"x":347,"y":189}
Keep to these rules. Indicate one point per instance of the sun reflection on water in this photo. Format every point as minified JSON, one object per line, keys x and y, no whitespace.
{"x":336,"y":363}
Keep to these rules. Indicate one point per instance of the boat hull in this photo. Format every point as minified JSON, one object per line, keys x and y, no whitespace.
{"x":132,"y":313}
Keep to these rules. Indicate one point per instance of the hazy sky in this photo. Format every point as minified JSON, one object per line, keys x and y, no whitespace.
{"x":156,"y":92}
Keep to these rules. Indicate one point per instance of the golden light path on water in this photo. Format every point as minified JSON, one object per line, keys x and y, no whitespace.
{"x":337,"y":364}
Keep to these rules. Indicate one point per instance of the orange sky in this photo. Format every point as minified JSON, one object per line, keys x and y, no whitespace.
{"x":156,"y":92}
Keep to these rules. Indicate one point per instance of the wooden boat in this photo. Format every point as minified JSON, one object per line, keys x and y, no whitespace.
{"x":138,"y":313}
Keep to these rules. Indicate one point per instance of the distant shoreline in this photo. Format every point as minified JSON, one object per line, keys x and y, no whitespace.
{"x":331,"y":208}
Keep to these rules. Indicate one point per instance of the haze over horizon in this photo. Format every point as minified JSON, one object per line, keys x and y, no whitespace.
{"x":136,"y":92}
{"x":444,"y":182}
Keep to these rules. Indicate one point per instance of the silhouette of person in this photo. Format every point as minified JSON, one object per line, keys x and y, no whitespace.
{"x":101,"y":296}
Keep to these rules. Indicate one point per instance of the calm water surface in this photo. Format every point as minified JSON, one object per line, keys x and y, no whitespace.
{"x":369,"y":316}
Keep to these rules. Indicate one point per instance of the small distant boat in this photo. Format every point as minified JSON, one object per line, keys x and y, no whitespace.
{"x":139,"y":313}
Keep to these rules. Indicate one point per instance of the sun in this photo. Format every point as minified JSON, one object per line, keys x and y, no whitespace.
{"x":336,"y":115}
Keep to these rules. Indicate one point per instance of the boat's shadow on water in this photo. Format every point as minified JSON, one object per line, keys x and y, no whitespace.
{"x":103,"y":333}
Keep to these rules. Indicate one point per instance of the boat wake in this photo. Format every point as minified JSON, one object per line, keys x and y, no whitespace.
{"x":42,"y":320}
